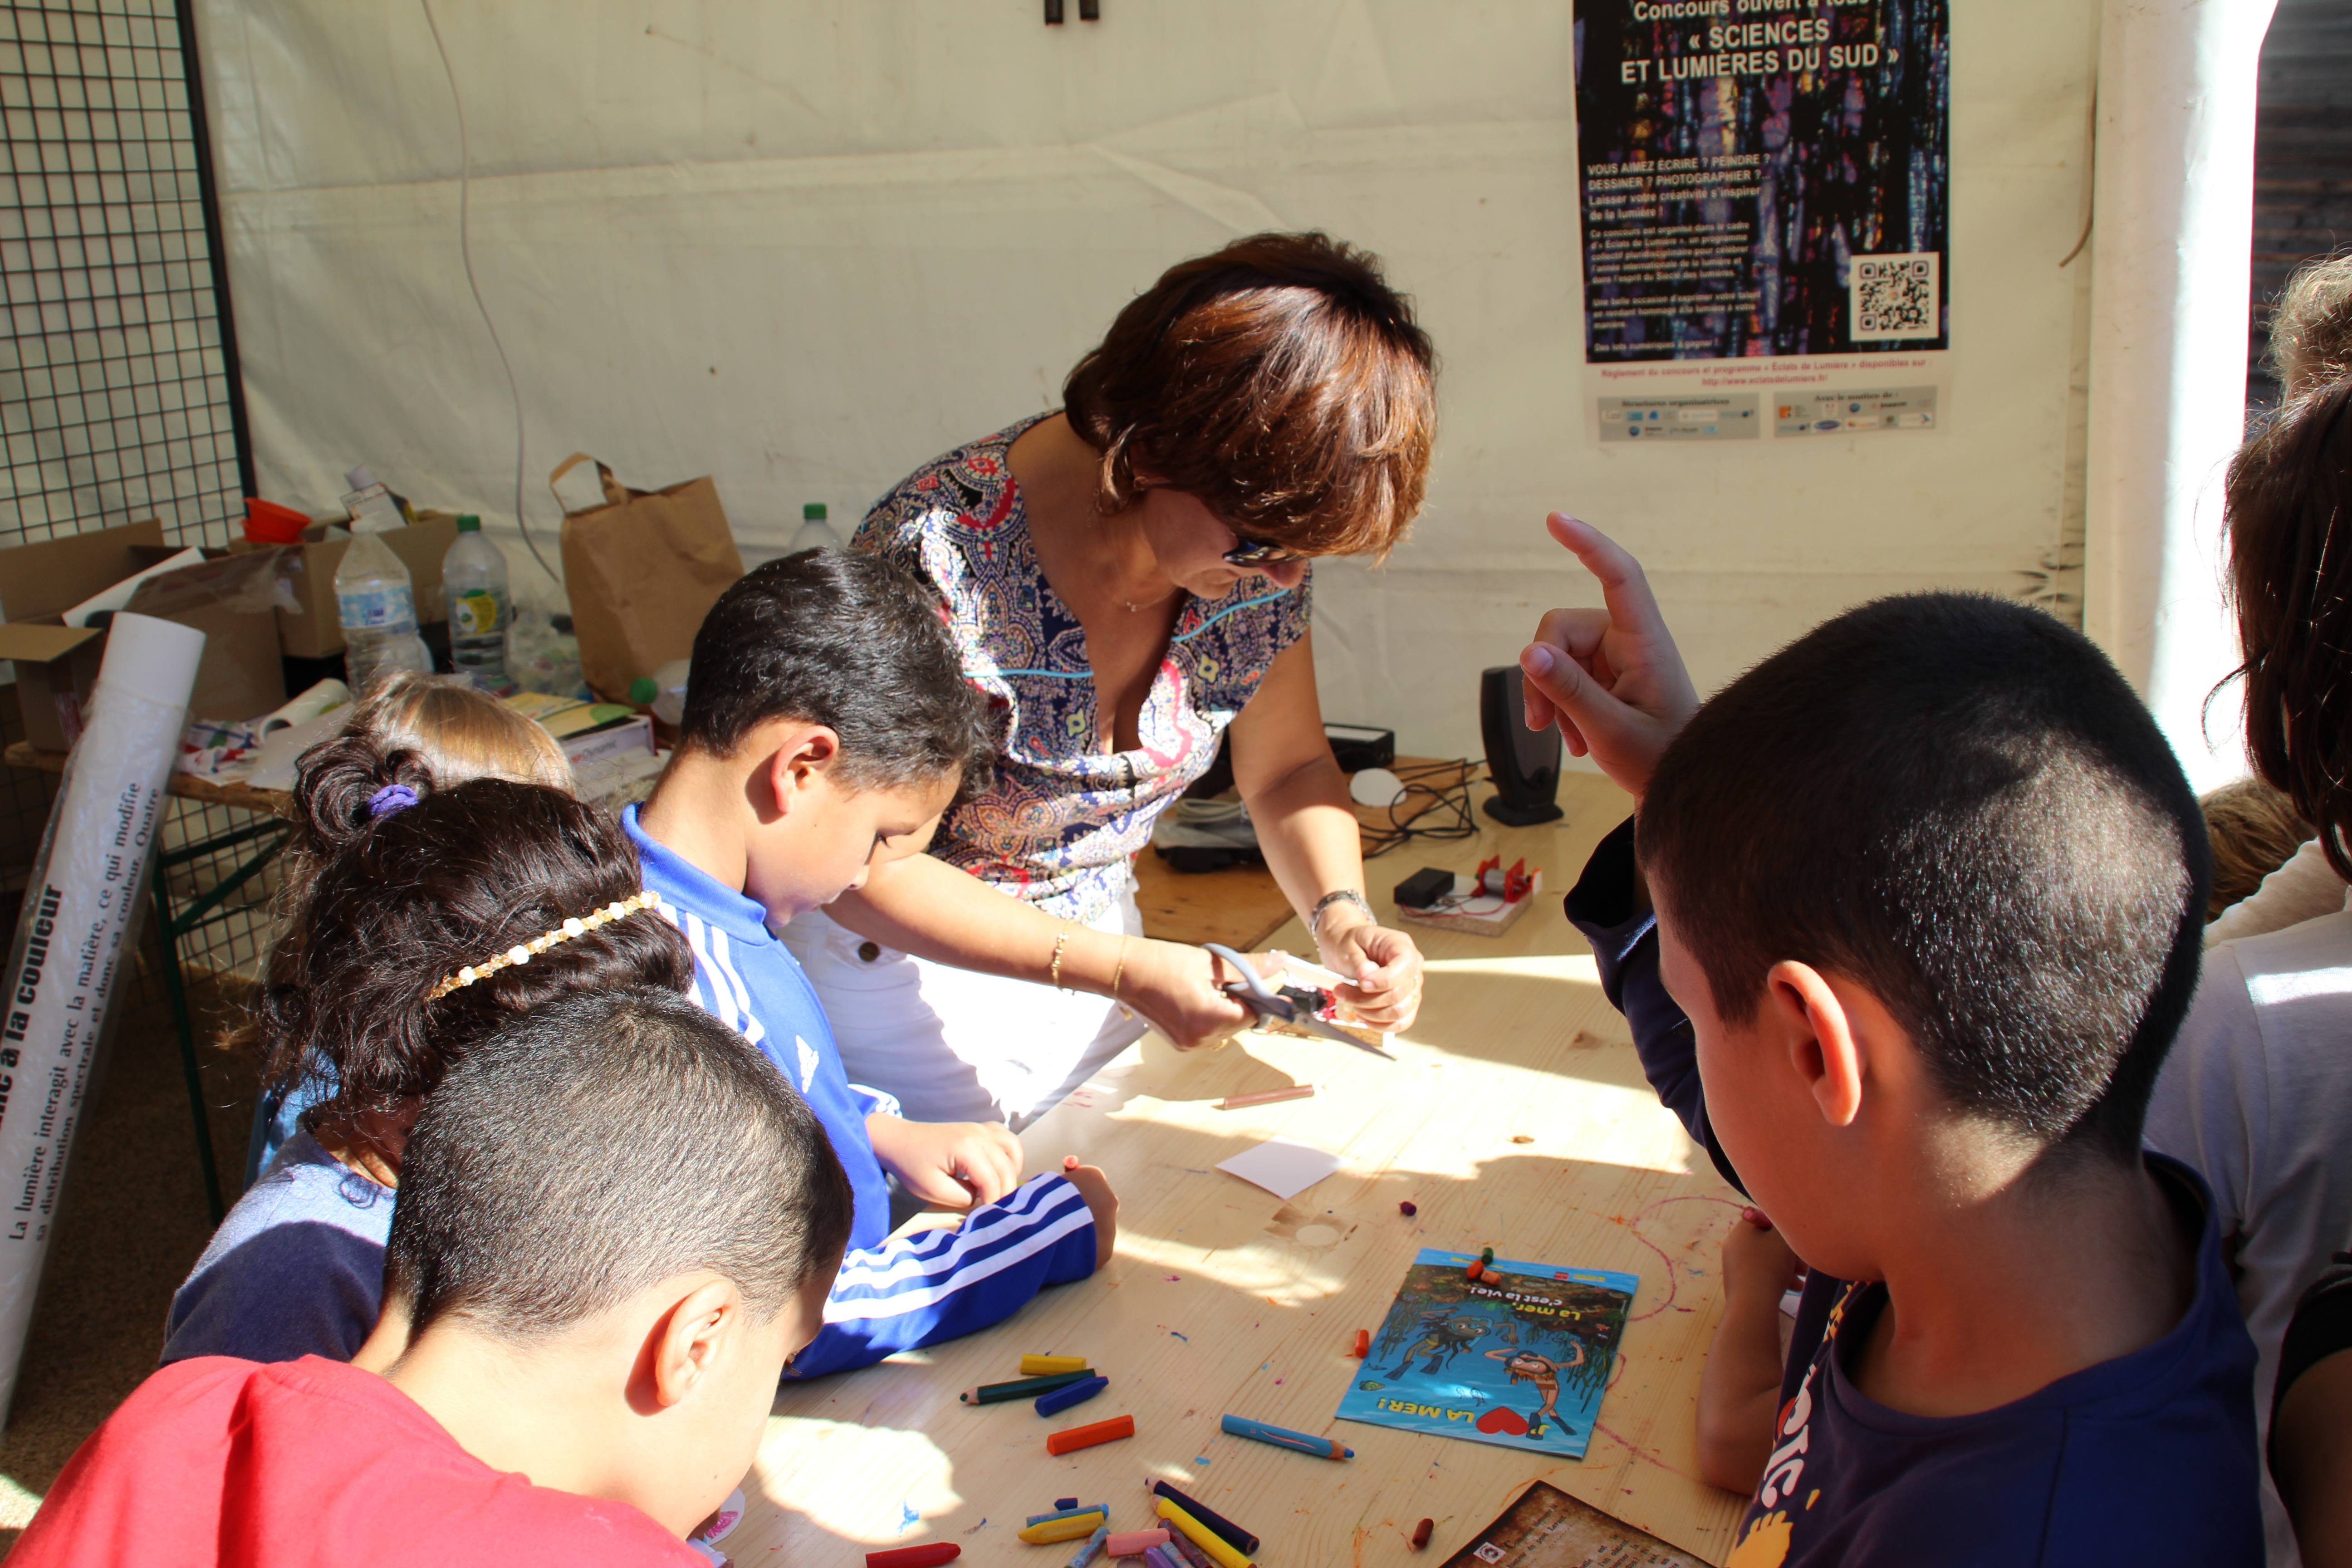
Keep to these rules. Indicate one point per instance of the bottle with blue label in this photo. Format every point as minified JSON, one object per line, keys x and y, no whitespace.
{"x":481,"y":610}
{"x":377,"y":605}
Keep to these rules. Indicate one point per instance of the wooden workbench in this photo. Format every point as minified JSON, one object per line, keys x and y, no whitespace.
{"x":1516,"y":1115}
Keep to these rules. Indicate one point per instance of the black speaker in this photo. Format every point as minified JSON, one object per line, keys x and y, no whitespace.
{"x":1523,"y":763}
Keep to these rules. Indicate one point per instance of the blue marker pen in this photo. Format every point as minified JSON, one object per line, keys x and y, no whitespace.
{"x":1284,"y":1437}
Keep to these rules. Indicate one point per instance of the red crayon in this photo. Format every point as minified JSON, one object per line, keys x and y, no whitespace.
{"x":1420,"y":1533}
{"x":927,"y":1556}
{"x":1364,"y":1343}
{"x":1078,"y":1438}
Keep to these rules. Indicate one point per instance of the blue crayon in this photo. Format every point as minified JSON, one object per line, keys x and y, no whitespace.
{"x":1284,"y":1437}
{"x":1161,"y":1557}
{"x":1061,"y":1399}
{"x":1071,"y":1512}
{"x":1094,"y":1545}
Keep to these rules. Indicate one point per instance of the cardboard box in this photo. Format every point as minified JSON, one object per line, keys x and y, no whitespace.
{"x":308,"y":625}
{"x":227,"y":598}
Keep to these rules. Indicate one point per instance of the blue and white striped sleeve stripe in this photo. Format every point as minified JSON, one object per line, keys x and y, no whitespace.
{"x":717,"y":989}
{"x":939,"y":1285}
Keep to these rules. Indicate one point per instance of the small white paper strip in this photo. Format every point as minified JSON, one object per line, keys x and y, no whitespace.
{"x":1282,"y":1166}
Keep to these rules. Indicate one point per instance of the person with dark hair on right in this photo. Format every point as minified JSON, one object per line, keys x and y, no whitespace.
{"x":616,"y":1227}
{"x":1906,"y":924}
{"x":826,"y":726}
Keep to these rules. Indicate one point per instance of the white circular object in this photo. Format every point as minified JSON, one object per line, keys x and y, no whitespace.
{"x":1376,"y":786}
{"x":722,"y":1524}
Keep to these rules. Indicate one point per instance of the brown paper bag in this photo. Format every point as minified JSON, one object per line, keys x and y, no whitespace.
{"x":643,"y":570}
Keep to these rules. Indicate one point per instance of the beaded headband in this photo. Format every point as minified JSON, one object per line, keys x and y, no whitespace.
{"x":522,"y":952}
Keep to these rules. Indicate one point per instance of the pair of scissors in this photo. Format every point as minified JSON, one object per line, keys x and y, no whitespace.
{"x":1293,"y":1007}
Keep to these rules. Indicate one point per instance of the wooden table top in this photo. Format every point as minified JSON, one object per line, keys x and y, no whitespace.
{"x":1223,"y":1299}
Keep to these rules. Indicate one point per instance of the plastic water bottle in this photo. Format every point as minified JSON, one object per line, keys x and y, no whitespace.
{"x":481,"y":611}
{"x":377,"y":605}
{"x":816,"y":533}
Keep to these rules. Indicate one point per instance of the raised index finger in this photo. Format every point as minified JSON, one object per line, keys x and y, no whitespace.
{"x":1632,"y":608}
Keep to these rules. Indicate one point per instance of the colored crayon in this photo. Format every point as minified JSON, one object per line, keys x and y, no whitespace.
{"x":1023,"y":1388}
{"x":1061,"y":1399}
{"x":1048,"y":1365}
{"x":1181,"y":1544}
{"x":1420,"y":1533}
{"x":1202,"y":1536}
{"x":1162,"y":1557}
{"x":1072,"y":1512}
{"x":1266,"y":1097}
{"x":1134,"y":1543}
{"x":929,"y":1556}
{"x":1364,"y":1343}
{"x":1069,"y":1527}
{"x":1078,"y":1438}
{"x":1284,"y":1437}
{"x":1093,"y":1548}
{"x":1408,"y":1208}
{"x":1234,"y":1535}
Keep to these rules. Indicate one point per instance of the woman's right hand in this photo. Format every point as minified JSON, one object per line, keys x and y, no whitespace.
{"x":1177,"y":988}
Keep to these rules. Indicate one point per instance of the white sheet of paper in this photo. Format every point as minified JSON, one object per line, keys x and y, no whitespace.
{"x":1282,"y":1166}
{"x":114,"y":598}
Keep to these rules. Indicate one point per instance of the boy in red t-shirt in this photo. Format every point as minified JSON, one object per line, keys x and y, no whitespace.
{"x":615,"y":1225}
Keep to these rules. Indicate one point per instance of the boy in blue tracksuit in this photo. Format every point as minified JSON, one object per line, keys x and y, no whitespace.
{"x":827,"y":725}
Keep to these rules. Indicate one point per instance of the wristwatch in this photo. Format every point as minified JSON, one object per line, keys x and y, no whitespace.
{"x":1344,"y":896}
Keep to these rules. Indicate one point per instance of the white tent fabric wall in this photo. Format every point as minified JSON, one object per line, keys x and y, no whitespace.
{"x":805,"y":247}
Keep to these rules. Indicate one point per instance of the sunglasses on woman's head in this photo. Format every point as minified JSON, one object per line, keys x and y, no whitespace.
{"x":1248,"y":551}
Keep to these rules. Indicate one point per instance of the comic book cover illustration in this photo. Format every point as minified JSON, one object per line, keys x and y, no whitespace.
{"x":1546,"y":1528}
{"x":1518,"y":1357}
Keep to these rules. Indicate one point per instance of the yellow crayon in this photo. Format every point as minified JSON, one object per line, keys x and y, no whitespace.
{"x":1069,"y":1529}
{"x":1048,"y":1365}
{"x":1202,"y":1536}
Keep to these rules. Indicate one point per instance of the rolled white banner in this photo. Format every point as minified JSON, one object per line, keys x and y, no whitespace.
{"x":82,"y":900}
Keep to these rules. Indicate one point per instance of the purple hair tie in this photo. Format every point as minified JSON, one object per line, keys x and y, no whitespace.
{"x":392,"y":797}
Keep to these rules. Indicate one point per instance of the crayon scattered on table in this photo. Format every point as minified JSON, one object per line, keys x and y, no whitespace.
{"x":1364,"y":1343}
{"x":1420,"y":1533}
{"x":1020,"y":1388}
{"x":1164,"y":1557}
{"x":1232,"y":1534}
{"x":1408,"y":1208}
{"x":1078,"y":1438}
{"x":1134,"y":1543}
{"x":1068,"y":1527}
{"x":1063,"y":1502}
{"x":1048,"y":1365}
{"x":1266,"y":1096}
{"x":1284,"y":1437}
{"x":1071,"y":1510}
{"x":1061,"y":1399}
{"x":929,"y":1556}
{"x":1192,"y":1555}
{"x":1202,"y":1536}
{"x":1473,"y":1272}
{"x":1093,"y":1548}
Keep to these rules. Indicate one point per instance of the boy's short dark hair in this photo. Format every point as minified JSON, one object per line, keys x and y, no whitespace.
{"x":1959,"y":804}
{"x":599,"y":1145}
{"x":848,"y":640}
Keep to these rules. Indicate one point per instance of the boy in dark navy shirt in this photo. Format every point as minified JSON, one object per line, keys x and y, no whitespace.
{"x":1910,"y":917}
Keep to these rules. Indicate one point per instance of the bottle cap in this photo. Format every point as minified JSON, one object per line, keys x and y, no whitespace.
{"x":813,"y":513}
{"x":468,"y":524}
{"x":642,"y":692}
{"x":358,"y":477}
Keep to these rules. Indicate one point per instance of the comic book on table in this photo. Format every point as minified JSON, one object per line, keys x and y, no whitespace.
{"x":1519,"y":1361}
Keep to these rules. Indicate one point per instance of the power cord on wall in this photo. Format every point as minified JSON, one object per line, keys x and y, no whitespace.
{"x":466,"y":253}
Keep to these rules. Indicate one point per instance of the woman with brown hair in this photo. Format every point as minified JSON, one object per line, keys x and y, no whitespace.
{"x":1128,"y":581}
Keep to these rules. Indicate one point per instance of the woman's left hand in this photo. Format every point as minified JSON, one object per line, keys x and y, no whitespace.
{"x":1383,"y":971}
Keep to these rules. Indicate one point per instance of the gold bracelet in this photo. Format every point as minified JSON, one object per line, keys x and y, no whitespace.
{"x":1060,"y":943}
{"x":1118,"y":969}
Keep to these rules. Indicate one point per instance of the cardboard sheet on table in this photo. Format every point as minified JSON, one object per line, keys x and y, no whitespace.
{"x":1282,"y":1166}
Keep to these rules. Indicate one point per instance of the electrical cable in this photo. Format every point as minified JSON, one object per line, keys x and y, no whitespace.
{"x":1439,"y":790}
{"x":466,"y":254}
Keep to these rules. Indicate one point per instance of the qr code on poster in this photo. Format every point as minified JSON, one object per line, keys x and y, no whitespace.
{"x":1896,"y":296}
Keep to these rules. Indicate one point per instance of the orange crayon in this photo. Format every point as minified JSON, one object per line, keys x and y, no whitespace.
{"x":1078,"y":1438}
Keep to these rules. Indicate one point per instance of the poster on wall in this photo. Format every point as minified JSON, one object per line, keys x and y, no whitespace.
{"x":1765,"y":194}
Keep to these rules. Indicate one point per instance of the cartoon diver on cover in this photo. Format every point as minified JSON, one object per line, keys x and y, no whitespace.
{"x":1443,"y":1336}
{"x":1526,"y":1366}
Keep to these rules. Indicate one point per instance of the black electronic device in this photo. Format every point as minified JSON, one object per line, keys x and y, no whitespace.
{"x":1523,"y":763}
{"x":1425,"y":888}
{"x":1356,"y":747}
